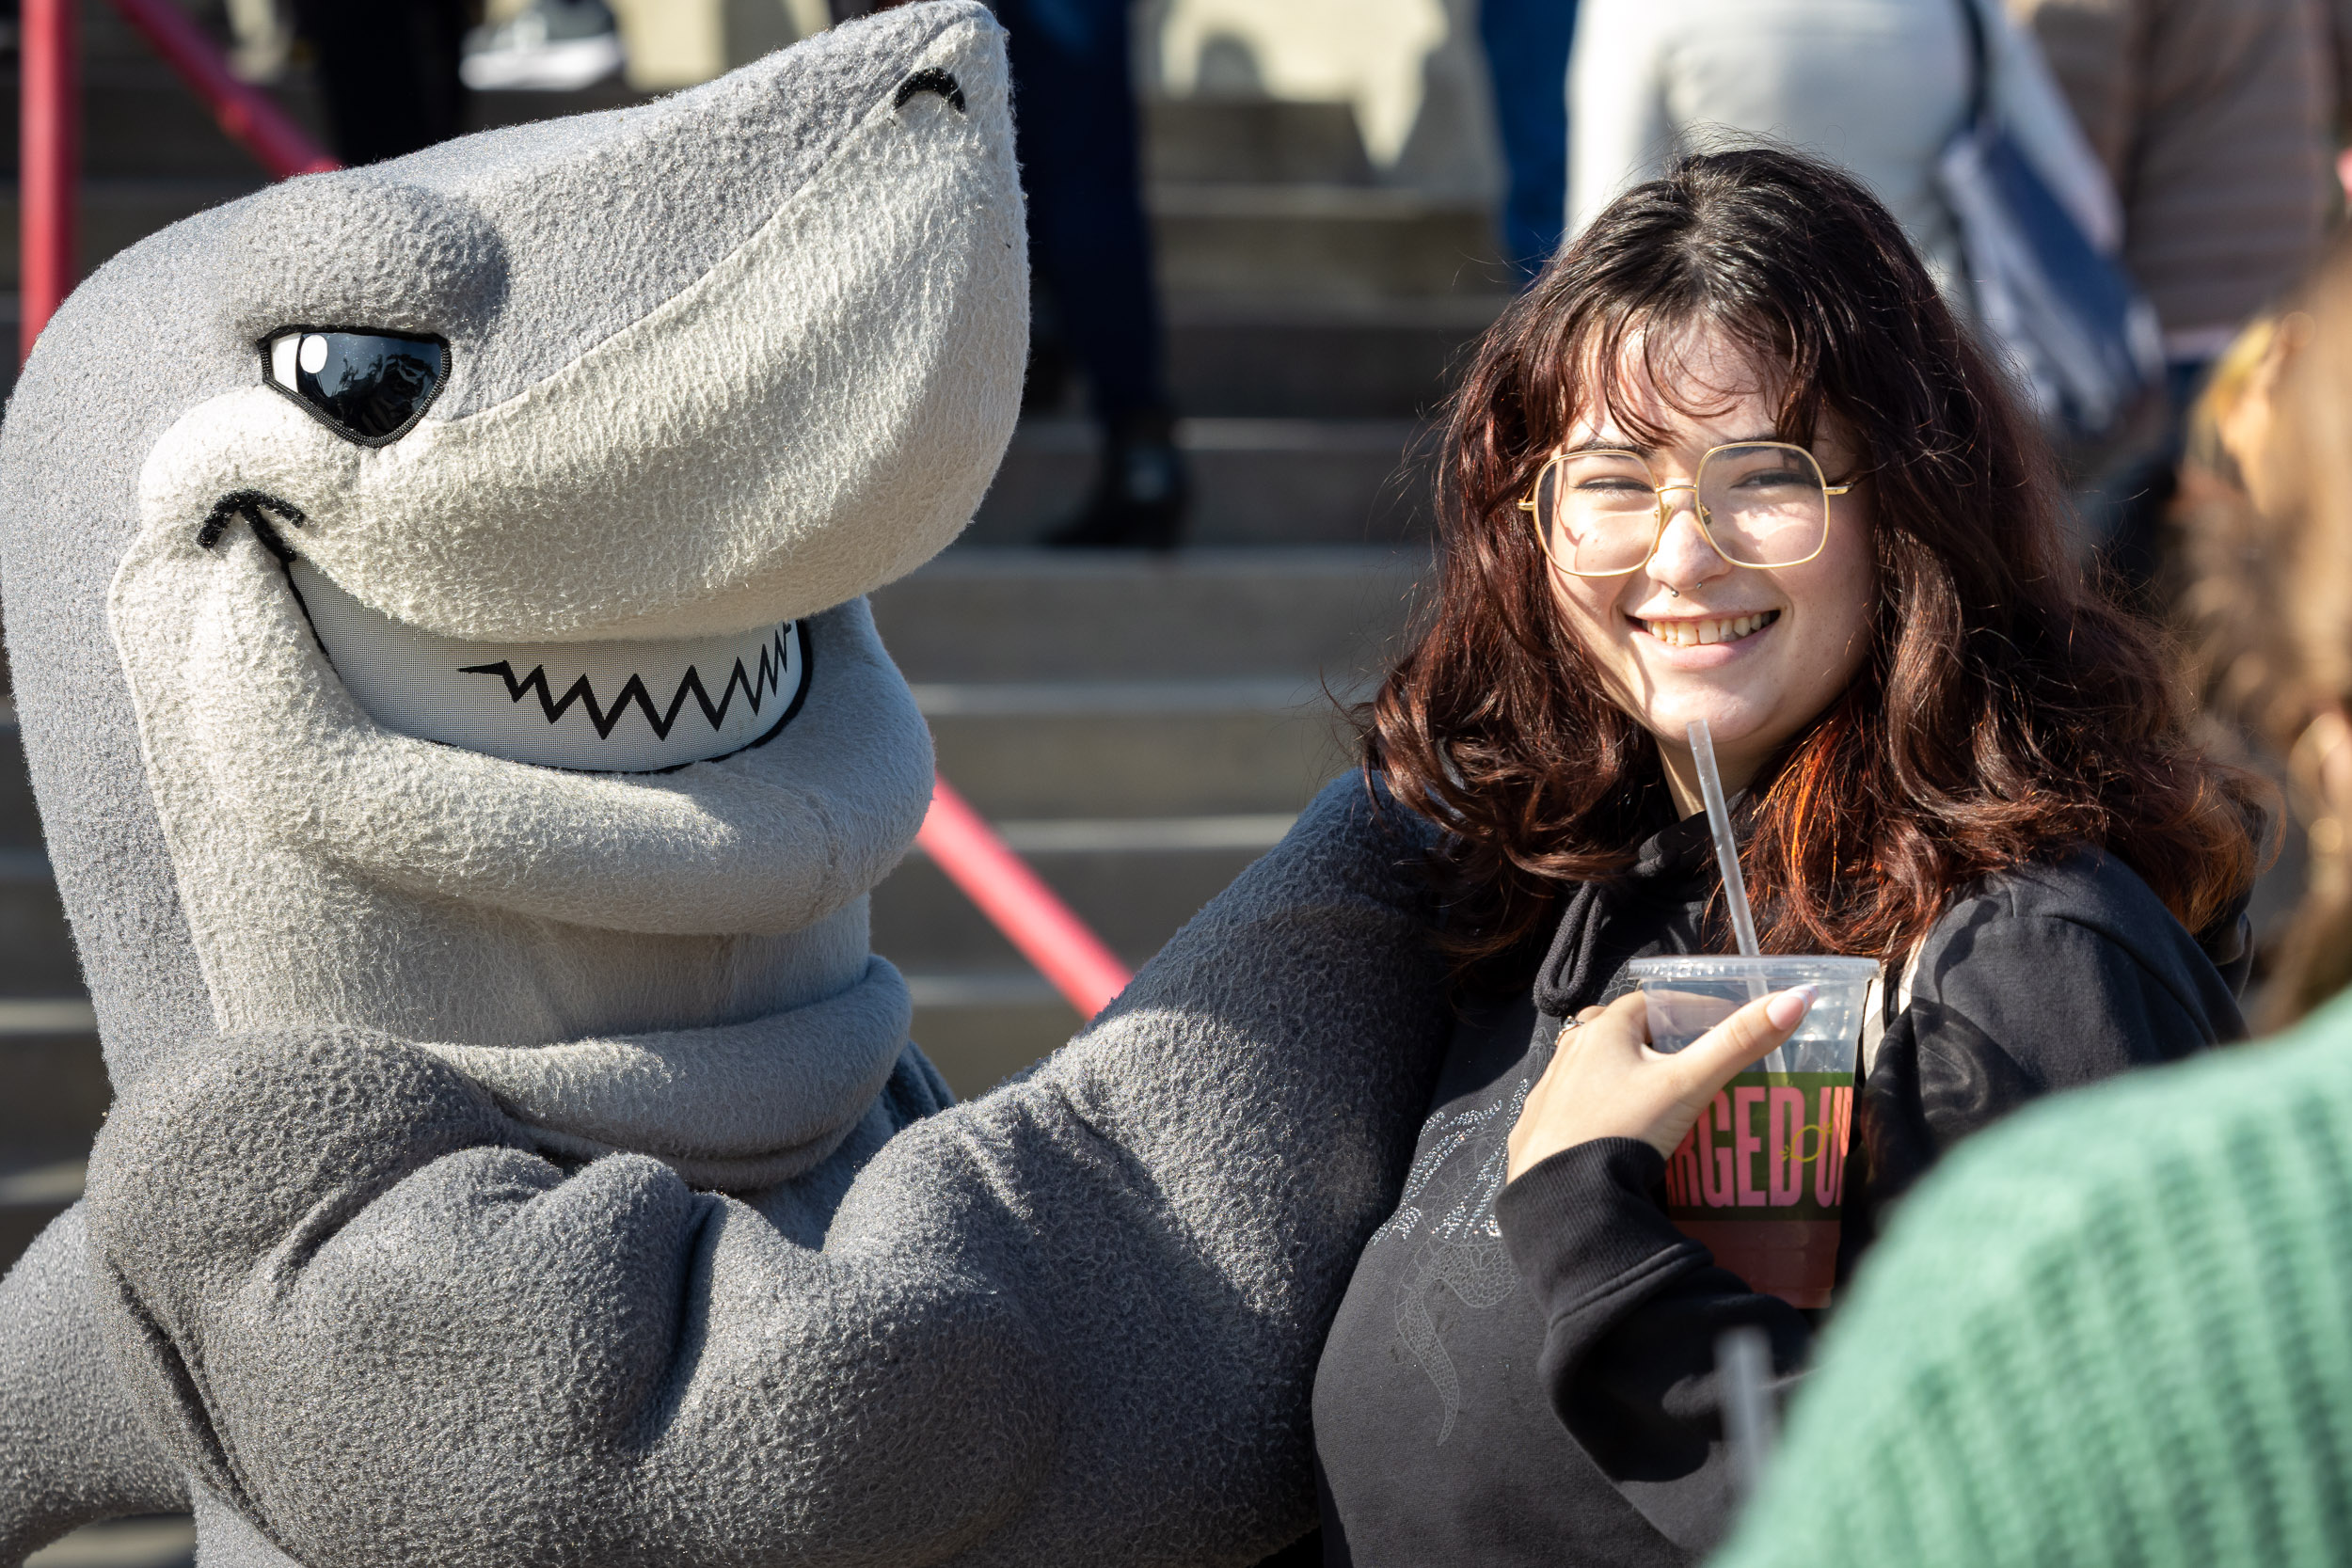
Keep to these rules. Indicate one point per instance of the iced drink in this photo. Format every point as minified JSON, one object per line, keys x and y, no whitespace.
{"x":1760,"y":1181}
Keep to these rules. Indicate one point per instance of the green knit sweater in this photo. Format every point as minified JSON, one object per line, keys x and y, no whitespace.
{"x":2117,"y":1329}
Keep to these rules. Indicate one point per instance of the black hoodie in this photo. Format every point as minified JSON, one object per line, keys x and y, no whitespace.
{"x":1526,"y":1373}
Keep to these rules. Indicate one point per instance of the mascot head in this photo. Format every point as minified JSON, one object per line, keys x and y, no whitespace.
{"x":434,"y":589}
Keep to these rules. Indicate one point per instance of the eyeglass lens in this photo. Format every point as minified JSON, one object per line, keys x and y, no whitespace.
{"x":1764,"y":505}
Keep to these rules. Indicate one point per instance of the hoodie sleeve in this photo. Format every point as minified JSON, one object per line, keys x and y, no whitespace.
{"x":2050,"y":978}
{"x":1632,"y":1311}
{"x":1075,"y":1321}
{"x":72,"y":1448}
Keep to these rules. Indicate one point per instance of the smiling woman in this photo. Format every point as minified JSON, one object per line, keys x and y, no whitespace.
{"x":1973,"y":700}
{"x":1732,"y":460}
{"x":1734,"y":592}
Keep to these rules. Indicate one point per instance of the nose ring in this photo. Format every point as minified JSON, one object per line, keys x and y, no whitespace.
{"x":1672,"y":591}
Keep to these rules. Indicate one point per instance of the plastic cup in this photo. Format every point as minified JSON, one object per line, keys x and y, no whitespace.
{"x":1760,"y":1181}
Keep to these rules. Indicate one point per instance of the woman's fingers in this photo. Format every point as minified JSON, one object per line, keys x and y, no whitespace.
{"x":1595,"y":1054}
{"x":1747,"y":1035}
{"x":1605,"y":1083}
{"x":1736,"y":1044}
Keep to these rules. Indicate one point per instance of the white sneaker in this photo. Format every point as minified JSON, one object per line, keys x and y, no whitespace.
{"x":552,"y":46}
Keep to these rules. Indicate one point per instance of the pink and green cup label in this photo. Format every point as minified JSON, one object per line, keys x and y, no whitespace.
{"x":1761,"y":1181}
{"x":1771,"y":1146}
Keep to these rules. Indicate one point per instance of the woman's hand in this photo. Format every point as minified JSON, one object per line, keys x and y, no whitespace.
{"x":1605,"y":1082}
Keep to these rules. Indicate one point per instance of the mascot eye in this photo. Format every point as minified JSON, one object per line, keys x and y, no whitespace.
{"x":367,"y":387}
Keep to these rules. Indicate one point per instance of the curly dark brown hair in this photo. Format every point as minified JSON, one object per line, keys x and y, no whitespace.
{"x":2006,"y":712}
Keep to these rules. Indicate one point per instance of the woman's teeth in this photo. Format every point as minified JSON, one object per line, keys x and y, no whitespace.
{"x":1698,"y":634}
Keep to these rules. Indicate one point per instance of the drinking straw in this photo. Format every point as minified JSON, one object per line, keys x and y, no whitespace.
{"x":1727,"y":850}
{"x":1743,"y":1361}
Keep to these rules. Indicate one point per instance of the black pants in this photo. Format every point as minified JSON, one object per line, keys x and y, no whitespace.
{"x":387,"y":70}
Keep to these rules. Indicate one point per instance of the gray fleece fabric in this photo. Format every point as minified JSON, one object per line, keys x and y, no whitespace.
{"x":521,"y":1163}
{"x":74,"y":1447}
{"x":1075,"y":1322}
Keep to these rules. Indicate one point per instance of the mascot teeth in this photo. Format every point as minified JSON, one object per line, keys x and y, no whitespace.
{"x":613,"y":706}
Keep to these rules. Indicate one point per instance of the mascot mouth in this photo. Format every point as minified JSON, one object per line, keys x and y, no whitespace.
{"x":613,"y":706}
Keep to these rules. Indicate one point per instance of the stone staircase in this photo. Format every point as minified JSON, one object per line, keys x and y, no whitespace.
{"x":1140,"y":730}
{"x":1143,"y":727}
{"x":1140,"y":727}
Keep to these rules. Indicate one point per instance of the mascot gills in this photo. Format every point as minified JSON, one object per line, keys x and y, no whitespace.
{"x":435,"y":594}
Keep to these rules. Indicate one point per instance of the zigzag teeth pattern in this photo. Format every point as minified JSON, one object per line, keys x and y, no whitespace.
{"x":756,"y":686}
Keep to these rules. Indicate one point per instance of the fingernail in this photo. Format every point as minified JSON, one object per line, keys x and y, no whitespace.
{"x":1790,"y":1005}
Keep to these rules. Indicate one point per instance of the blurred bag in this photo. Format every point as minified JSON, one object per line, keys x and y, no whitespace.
{"x":2070,"y":323}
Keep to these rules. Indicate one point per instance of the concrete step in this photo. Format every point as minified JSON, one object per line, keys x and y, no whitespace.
{"x":979,"y":1029}
{"x":20,"y":822}
{"x":37,"y":956}
{"x":57,"y":1095}
{"x":1157,"y":749}
{"x":1254,"y":482}
{"x":979,"y":615}
{"x":49,"y":1059}
{"x":106,"y":38}
{"x":151,"y":155}
{"x":1327,"y":242}
{"x":34,"y":1190}
{"x":1139,"y":727}
{"x":1252,"y":141}
{"x":981,"y":1011}
{"x":1133,"y":897}
{"x":1233,"y":357}
{"x":155,"y":1541}
{"x":139,"y":121}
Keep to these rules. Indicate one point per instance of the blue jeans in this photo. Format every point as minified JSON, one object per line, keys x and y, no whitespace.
{"x":1527,"y":61}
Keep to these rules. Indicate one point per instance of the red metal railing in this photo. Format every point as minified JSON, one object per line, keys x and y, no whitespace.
{"x":52,"y":122}
{"x":1025,"y":908}
{"x":242,"y":111}
{"x":1070,"y":956}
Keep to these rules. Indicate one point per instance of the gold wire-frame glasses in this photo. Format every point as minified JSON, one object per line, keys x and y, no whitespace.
{"x":1766,"y":511}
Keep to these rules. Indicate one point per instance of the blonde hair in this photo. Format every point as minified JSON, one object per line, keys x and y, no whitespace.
{"x":2271,"y":592}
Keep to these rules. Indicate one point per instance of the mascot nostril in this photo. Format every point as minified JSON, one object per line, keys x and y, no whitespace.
{"x":932,"y":81}
{"x":471,"y":868}
{"x":255,"y":506}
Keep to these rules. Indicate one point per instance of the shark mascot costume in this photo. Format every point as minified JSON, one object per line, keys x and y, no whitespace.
{"x":434,"y":595}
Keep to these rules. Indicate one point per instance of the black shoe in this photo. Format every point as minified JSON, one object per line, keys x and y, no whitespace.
{"x":1140,"y":493}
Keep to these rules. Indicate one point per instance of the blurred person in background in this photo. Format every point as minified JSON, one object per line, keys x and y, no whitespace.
{"x":1096,"y":303}
{"x":1526,"y":44}
{"x":1090,"y":252}
{"x":388,"y":72}
{"x":1879,"y":86}
{"x":2144,"y":1357}
{"x":2214,"y":119}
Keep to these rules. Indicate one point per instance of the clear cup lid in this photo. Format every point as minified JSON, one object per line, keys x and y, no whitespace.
{"x":1718,"y":966}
